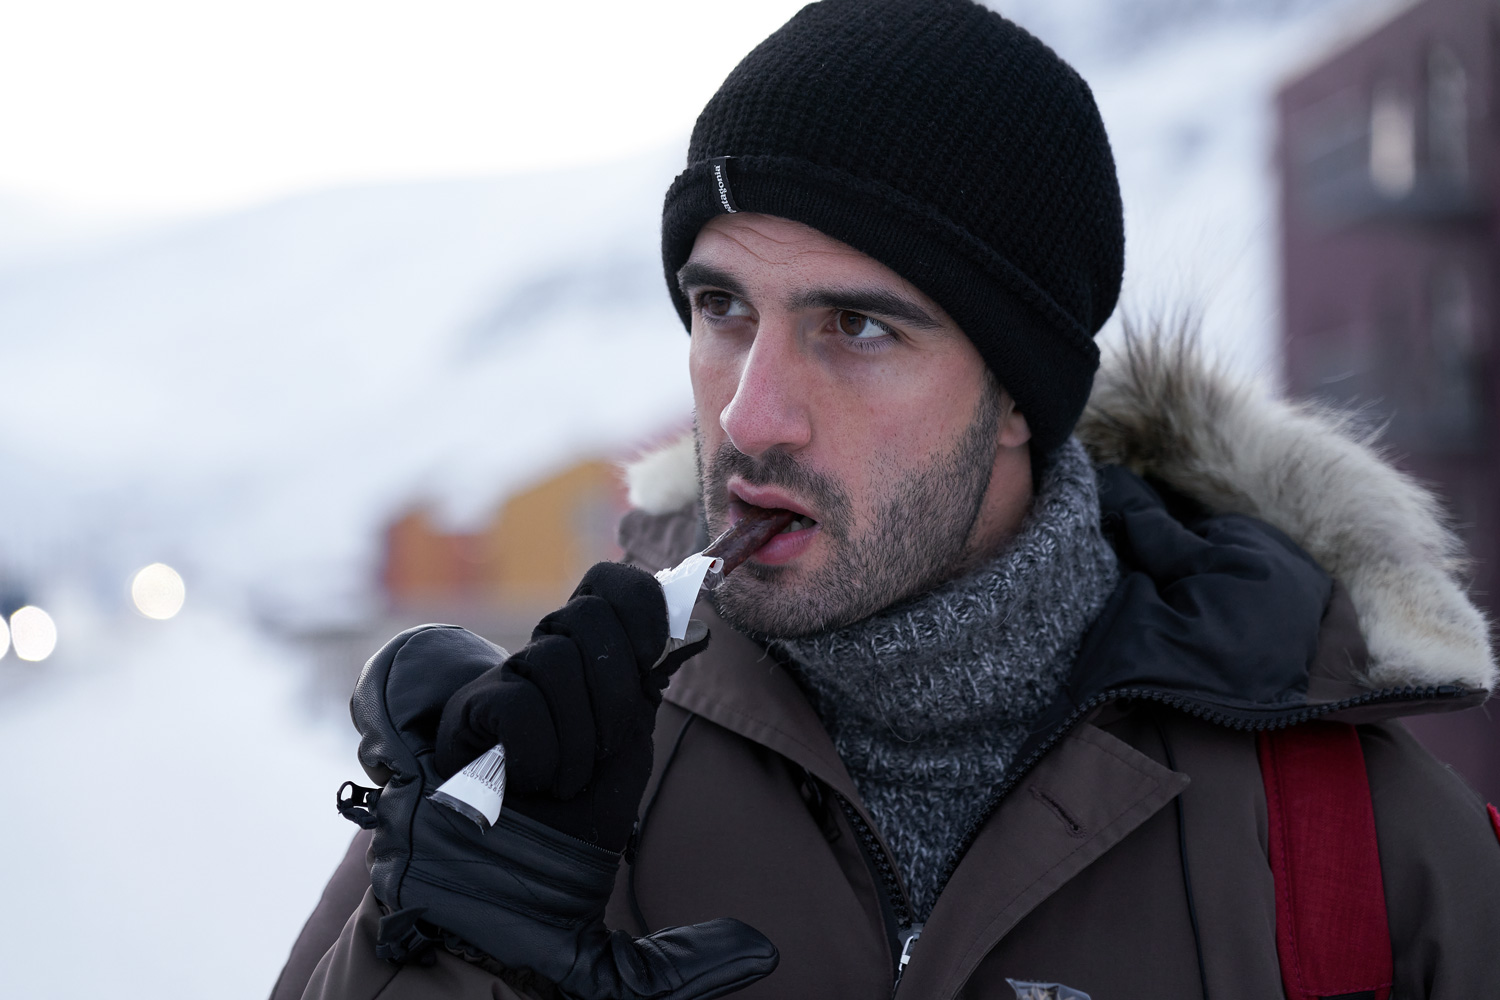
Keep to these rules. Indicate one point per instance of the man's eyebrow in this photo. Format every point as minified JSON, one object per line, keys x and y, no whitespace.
{"x":870,"y":301}
{"x":696,"y":274}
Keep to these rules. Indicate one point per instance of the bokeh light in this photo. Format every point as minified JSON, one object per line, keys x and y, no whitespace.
{"x":158,"y":591}
{"x":33,"y":633}
{"x":4,"y":637}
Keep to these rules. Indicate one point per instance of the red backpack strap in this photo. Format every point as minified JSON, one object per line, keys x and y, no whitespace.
{"x":1332,"y":935}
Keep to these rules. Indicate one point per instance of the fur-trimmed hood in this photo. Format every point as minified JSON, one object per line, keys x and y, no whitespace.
{"x":1159,"y":409}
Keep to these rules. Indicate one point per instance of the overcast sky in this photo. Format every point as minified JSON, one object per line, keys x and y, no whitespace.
{"x":172,"y":106}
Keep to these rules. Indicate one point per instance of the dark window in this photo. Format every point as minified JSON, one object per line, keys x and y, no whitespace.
{"x":1454,"y":388}
{"x":1447,"y":115}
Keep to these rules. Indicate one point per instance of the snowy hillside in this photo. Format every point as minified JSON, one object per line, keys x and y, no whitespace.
{"x":248,"y":397}
{"x":256,"y":393}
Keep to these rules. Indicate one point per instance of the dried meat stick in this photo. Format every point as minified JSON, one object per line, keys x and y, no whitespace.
{"x":745,"y":537}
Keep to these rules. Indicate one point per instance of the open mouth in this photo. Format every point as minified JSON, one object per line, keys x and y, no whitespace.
{"x":773,"y":527}
{"x":799,"y":523}
{"x":772,"y":522}
{"x":782,"y":535}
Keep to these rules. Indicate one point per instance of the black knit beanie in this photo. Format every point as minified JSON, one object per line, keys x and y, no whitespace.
{"x":948,"y":144}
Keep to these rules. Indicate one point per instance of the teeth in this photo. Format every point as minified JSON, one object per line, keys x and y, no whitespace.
{"x":797,"y":524}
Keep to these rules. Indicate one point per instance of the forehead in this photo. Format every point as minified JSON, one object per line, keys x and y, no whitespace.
{"x":771,"y":248}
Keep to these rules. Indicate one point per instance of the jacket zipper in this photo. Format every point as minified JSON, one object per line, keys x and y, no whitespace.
{"x":908,"y":945}
{"x":1020,"y":769}
{"x":901,"y":937}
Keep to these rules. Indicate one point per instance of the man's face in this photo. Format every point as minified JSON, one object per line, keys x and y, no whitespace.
{"x":826,"y":384}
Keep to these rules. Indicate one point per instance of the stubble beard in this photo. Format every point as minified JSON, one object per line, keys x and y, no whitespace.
{"x":917,"y":538}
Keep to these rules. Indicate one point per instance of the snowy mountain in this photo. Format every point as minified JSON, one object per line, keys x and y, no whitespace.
{"x":273,"y":383}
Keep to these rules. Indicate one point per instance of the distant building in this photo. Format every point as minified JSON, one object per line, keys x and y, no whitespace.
{"x":520,"y":564}
{"x":1389,"y":160}
{"x":497,"y":580}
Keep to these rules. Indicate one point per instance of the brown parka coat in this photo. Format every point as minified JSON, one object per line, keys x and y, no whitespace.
{"x":1127,"y":855}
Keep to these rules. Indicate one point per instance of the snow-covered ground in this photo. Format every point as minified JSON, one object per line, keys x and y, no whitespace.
{"x":248,"y":397}
{"x":169,"y":814}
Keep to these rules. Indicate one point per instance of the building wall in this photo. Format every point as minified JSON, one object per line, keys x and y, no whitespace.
{"x":423,"y":566}
{"x":1390,"y":172}
{"x":541,"y":541}
{"x":523,"y":562}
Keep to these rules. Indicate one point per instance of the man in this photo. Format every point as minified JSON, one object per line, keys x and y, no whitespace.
{"x":982,"y":721}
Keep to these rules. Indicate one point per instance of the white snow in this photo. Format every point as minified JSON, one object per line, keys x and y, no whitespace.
{"x":169,"y":814}
{"x":248,"y":397}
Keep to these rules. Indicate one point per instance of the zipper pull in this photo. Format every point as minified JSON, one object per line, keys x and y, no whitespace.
{"x":908,"y":938}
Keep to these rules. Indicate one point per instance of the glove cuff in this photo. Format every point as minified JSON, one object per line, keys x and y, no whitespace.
{"x":520,"y":891}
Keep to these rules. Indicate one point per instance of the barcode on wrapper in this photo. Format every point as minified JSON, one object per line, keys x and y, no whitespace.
{"x":489,"y":770}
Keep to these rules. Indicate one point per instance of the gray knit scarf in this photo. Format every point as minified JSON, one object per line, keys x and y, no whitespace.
{"x":929,"y":700}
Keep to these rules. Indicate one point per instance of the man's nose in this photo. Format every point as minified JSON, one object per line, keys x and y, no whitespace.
{"x":770,"y":404}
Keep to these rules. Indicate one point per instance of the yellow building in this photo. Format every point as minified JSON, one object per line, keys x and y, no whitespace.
{"x":523,"y":562}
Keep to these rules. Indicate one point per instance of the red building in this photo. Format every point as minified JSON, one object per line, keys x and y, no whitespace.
{"x":1389,"y":160}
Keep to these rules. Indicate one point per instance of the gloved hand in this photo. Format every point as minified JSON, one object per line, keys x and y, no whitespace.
{"x":575,"y":709}
{"x":526,"y":894}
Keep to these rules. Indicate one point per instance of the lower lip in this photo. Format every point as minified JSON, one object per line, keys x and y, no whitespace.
{"x":785,"y":547}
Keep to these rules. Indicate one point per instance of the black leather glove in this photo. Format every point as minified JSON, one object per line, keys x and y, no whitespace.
{"x":527,"y":895}
{"x":575,"y":708}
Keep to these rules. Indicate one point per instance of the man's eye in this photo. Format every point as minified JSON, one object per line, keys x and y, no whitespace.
{"x":861,"y":326}
{"x":720,"y":305}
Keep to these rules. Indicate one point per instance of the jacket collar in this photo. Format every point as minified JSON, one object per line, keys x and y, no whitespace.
{"x":1091,"y":792}
{"x":739,"y":686}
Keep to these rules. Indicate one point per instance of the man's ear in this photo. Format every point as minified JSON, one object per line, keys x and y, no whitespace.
{"x":1014,"y":431}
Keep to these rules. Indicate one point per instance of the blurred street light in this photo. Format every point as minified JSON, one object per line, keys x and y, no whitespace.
{"x":158,"y":591}
{"x":33,"y":633}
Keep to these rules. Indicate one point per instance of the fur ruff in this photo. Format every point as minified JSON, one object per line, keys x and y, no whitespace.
{"x":1159,"y":408}
{"x":664,"y":479}
{"x":1315,"y":473}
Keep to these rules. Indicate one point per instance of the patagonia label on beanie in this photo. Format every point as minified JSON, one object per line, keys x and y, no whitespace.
{"x":720,"y":165}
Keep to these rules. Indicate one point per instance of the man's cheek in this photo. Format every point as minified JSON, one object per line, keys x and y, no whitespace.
{"x":714,"y":375}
